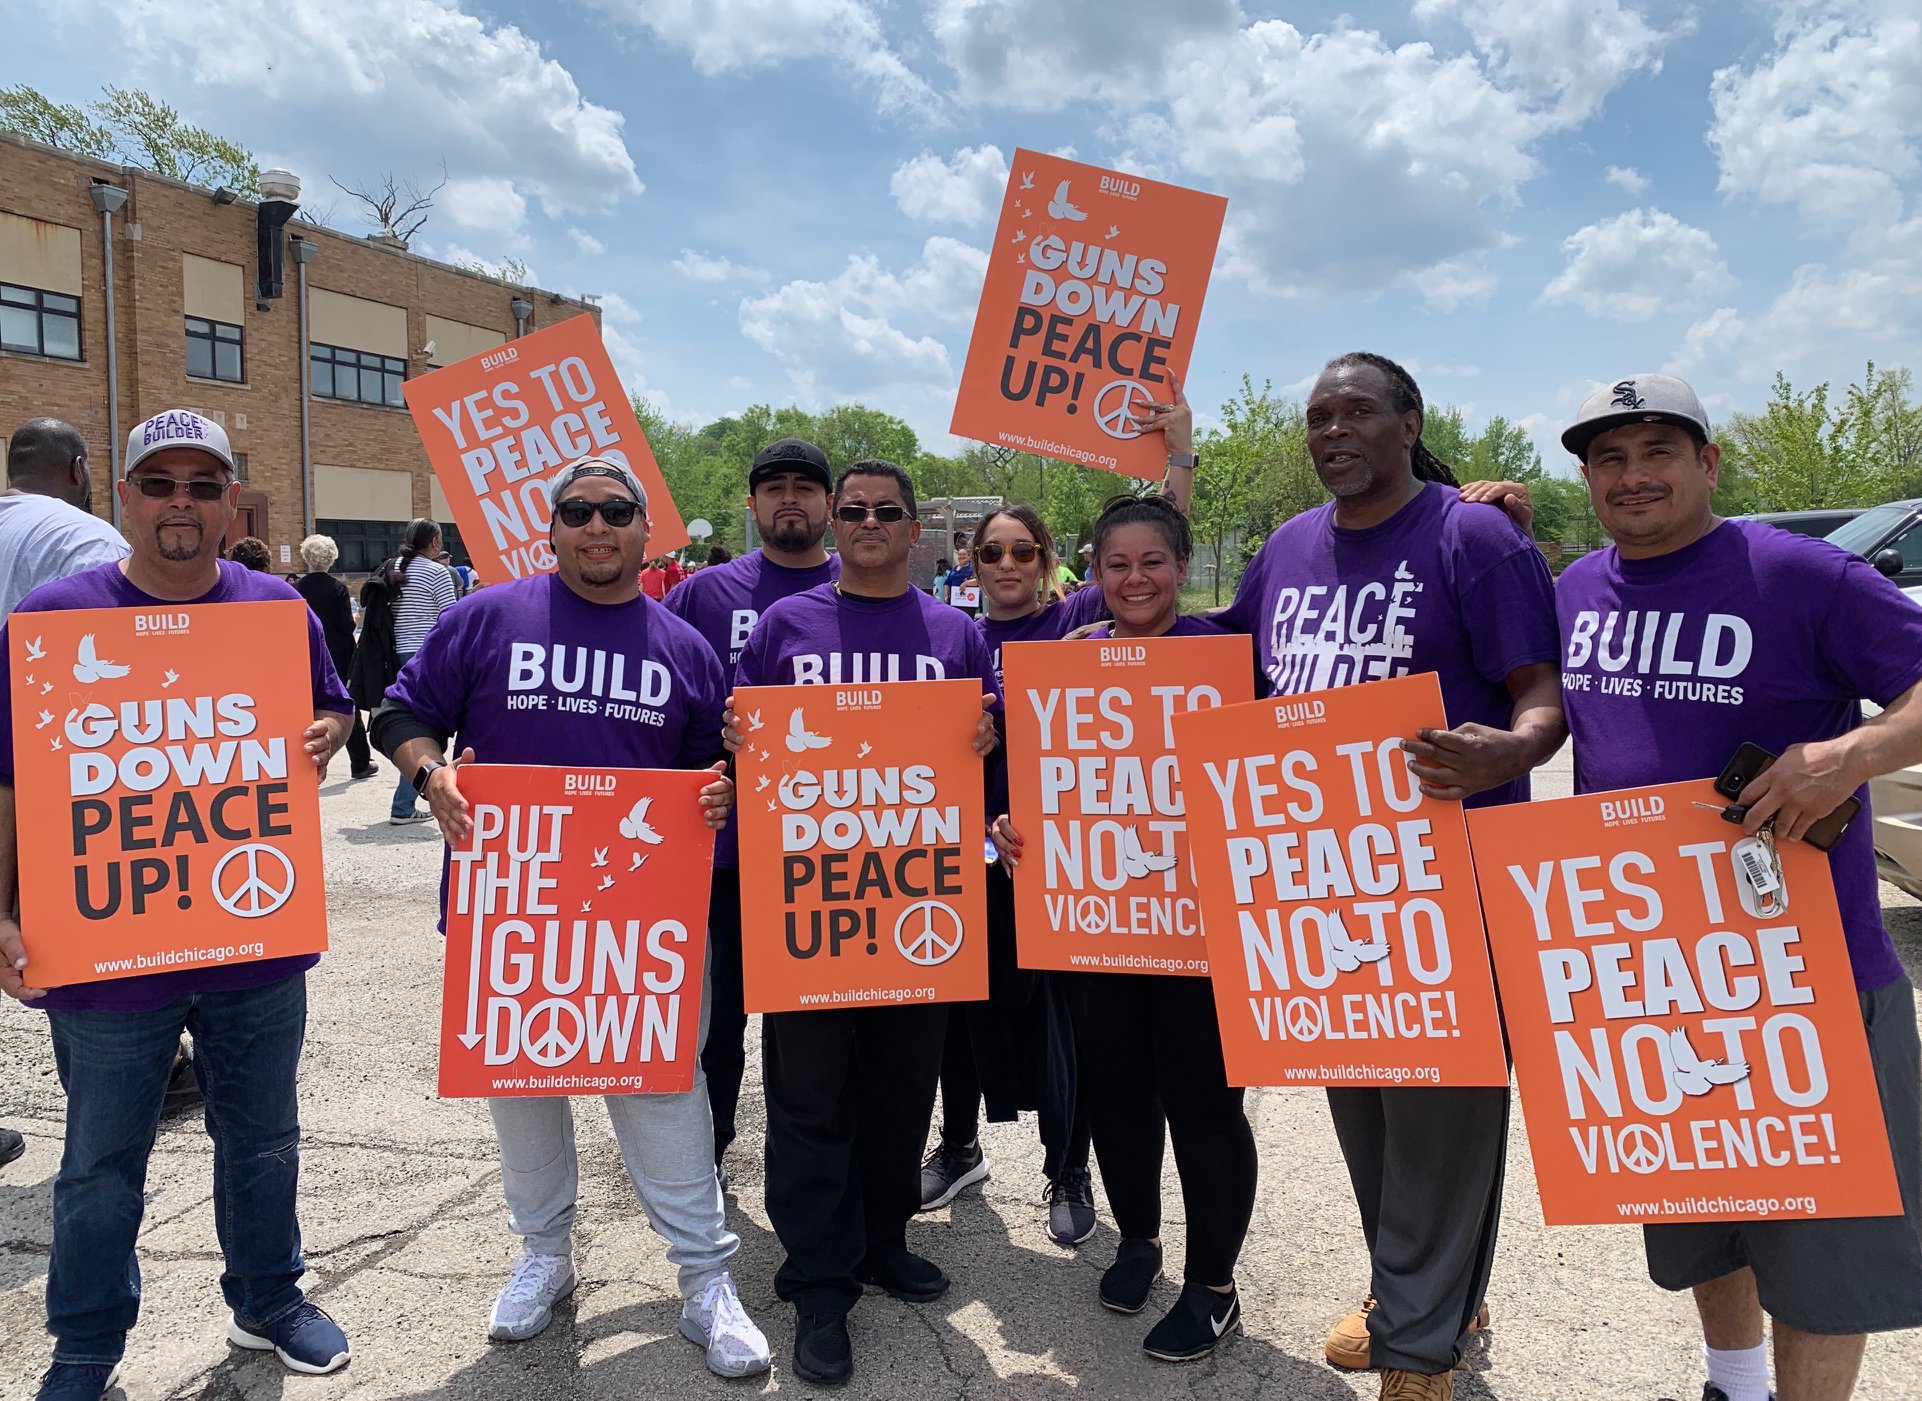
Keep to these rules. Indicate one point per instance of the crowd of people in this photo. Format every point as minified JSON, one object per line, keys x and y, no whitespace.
{"x":1120,"y":1064}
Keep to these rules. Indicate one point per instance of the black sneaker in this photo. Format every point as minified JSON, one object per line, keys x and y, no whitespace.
{"x":948,"y":1170}
{"x":1195,"y":1326}
{"x":183,"y":1088}
{"x":1712,"y":1392}
{"x":823,"y":1352}
{"x":369,"y":772}
{"x":906,"y":1276}
{"x":1070,"y":1199}
{"x":1136,"y":1267}
{"x":12,"y":1145}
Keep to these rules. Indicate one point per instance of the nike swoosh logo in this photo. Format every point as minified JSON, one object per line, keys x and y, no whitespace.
{"x":1221,"y":1323}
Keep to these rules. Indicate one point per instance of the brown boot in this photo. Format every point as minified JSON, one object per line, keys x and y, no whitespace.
{"x":1417,"y":1386}
{"x":1347,"y":1342}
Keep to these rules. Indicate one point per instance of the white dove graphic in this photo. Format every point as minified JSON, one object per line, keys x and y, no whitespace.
{"x":90,"y":668}
{"x":770,"y":801}
{"x":1136,"y":863}
{"x":1348,"y":954}
{"x":1027,"y":180}
{"x":640,"y":858}
{"x":607,"y":883}
{"x":1402,"y":571}
{"x":46,"y":719}
{"x":28,"y":680}
{"x":1060,"y":208}
{"x":587,"y":906}
{"x":1114,"y":231}
{"x":1693,"y":1075}
{"x":56,"y":742}
{"x":865,"y":750}
{"x":635,"y":825}
{"x":754,"y":720}
{"x":600,"y":858}
{"x":800,"y":739}
{"x":1019,"y":237}
{"x":171,"y":677}
{"x":47,"y":689}
{"x":34,"y":650}
{"x":760,"y":784}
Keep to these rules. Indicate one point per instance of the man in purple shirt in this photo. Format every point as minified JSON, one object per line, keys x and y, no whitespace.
{"x":850,"y":1091}
{"x":114,"y":1042}
{"x":1397,"y":575}
{"x":788,"y":492}
{"x":1690,"y":637}
{"x":580,"y":667}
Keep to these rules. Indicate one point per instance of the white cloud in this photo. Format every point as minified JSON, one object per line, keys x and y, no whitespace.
{"x":868,"y":329}
{"x":587,"y":243}
{"x":1829,"y":122}
{"x":965,"y":189}
{"x":401,"y":83}
{"x":1626,"y":177}
{"x":617,"y":310}
{"x":1571,"y":52}
{"x":489,"y":204}
{"x":1455,"y":283}
{"x":723,"y":36}
{"x":712,"y":267}
{"x":1638,"y":265}
{"x":463,"y":257}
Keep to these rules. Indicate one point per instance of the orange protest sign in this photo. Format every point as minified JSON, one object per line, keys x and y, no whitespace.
{"x":1344,"y":936}
{"x":1096,"y":794}
{"x":576,"y":933}
{"x":862,"y":837}
{"x":167,"y":817}
{"x":1092,"y":295}
{"x":1686,"y":1050}
{"x":497,"y":425}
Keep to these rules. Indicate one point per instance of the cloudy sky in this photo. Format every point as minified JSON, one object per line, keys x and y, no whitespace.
{"x":788,"y":200}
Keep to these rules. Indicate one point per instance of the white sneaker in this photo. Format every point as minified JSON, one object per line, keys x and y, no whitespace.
{"x":716,"y":1321}
{"x":526,"y":1305}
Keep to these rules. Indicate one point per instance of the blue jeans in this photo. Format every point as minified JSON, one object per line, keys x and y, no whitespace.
{"x":114,"y":1068}
{"x":404,"y":794}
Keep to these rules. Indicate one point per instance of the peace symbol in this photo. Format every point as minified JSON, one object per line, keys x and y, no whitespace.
{"x":1091,"y":913}
{"x":1117,"y":405}
{"x":1641,"y":1148}
{"x":545,"y":1040}
{"x":252,"y":894}
{"x":927,"y":946}
{"x":1304,"y":1019}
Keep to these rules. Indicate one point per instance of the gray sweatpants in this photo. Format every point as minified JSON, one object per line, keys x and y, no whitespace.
{"x":667,"y":1142}
{"x":1426,"y":1166}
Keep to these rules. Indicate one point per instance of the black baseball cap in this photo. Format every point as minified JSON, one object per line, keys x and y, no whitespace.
{"x":796,"y":455}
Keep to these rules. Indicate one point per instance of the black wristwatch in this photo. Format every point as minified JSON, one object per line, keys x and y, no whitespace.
{"x":425,"y":772}
{"x":1184,"y":459}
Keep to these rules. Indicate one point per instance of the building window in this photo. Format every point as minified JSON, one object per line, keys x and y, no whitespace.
{"x":357,"y":376}
{"x":240,"y":466}
{"x":39,"y":323}
{"x":214,"y":351}
{"x":363,"y":544}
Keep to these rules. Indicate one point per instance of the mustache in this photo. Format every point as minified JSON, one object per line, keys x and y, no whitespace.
{"x":1649,"y":493}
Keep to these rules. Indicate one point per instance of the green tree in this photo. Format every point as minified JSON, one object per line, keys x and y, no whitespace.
{"x":1255,"y":474}
{"x":134,"y":127}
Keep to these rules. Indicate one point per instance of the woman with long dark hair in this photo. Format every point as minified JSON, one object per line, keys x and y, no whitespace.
{"x":423,"y":588}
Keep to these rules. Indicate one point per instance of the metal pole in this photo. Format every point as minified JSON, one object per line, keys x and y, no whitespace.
{"x":303,"y":253}
{"x":107,"y":198}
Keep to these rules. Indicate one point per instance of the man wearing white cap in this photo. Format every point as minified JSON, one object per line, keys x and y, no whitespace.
{"x":483,"y":675}
{"x":114,"y":1041}
{"x":1774,"y":639}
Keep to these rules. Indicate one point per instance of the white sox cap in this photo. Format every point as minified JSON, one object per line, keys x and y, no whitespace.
{"x":1636,"y":399}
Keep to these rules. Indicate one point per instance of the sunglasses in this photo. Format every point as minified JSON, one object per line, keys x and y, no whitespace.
{"x":1024,"y":552}
{"x":616,"y":512}
{"x":889,"y":514}
{"x":200,"y":489}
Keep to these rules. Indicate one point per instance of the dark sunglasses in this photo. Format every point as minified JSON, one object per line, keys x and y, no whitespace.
{"x":888,"y":514}
{"x":616,"y":512}
{"x":1024,"y":552}
{"x":200,"y":489}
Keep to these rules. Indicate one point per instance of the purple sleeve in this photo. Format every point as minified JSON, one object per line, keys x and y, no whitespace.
{"x":1083,"y":606}
{"x":1243,"y":613}
{"x":701,"y":742}
{"x":1871,"y":635}
{"x":329,"y":693}
{"x":1509,"y":612}
{"x":752,"y":666}
{"x":433,"y":684}
{"x":680,"y":598}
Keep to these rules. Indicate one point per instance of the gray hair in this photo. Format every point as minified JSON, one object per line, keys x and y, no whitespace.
{"x":319,"y":553}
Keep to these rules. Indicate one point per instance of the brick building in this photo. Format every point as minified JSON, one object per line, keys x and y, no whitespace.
{"x":195,"y":328}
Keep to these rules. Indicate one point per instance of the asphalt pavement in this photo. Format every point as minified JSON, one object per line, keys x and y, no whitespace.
{"x":407,"y":1244}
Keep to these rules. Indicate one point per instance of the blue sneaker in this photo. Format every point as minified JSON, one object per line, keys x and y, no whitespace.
{"x":306,"y":1340}
{"x":78,"y":1381}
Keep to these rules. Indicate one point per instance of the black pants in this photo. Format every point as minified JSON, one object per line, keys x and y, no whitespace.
{"x":849,"y":1096}
{"x":1016,"y":1050}
{"x":1426,"y":1166}
{"x":359,"y":753}
{"x":1150,"y":1054}
{"x":724,"y":1053}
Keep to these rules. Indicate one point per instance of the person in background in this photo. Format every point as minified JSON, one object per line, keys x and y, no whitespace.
{"x":718,"y":554}
{"x":329,"y":600}
{"x":963,"y":572}
{"x":1087,"y":564}
{"x":463,"y":576}
{"x":422,"y":588}
{"x":660,"y":576}
{"x":251,"y":553}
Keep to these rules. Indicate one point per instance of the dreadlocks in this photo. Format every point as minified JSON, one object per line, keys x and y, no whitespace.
{"x":1406,"y":397}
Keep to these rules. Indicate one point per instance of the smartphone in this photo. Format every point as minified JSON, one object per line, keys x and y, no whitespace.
{"x":1749,"y":761}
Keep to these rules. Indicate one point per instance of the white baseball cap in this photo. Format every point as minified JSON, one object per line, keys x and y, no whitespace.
{"x":594,"y":467}
{"x":1636,"y":399}
{"x":178,"y":428}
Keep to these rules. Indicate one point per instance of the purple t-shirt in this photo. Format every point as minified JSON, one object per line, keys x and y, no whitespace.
{"x":106,"y":587}
{"x":1051,"y":622}
{"x":723,"y":603}
{"x":1440,"y":586}
{"x":1749,"y":635}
